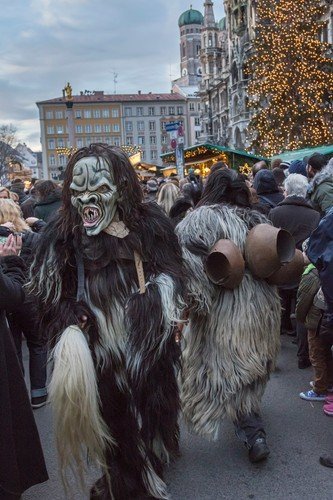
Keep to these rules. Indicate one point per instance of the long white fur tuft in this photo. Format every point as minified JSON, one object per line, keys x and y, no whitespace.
{"x":74,"y":396}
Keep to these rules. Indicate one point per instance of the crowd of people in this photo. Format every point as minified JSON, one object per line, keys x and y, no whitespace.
{"x":112,"y":275}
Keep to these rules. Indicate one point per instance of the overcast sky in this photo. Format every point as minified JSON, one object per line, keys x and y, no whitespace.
{"x":45,"y":43}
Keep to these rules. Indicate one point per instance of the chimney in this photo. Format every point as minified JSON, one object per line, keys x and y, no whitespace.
{"x":139,"y":92}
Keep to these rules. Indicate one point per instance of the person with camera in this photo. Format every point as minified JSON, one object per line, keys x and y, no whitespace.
{"x":21,"y":458}
{"x":23,"y":320}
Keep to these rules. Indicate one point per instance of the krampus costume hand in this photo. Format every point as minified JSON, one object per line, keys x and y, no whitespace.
{"x":116,"y":261}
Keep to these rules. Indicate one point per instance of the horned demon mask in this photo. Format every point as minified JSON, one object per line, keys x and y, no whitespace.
{"x":94,"y":193}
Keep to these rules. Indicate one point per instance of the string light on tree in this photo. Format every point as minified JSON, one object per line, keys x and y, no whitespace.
{"x":291,"y":87}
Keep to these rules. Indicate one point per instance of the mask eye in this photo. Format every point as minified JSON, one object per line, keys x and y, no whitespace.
{"x":103,"y":189}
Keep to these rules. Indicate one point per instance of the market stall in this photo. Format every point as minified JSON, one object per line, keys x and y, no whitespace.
{"x":203,"y":156}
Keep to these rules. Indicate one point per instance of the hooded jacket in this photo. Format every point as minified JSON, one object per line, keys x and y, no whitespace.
{"x":321,"y":190}
{"x":267,"y":189}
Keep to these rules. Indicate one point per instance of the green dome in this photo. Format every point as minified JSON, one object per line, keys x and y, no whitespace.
{"x":190,"y":16}
{"x":222,"y":24}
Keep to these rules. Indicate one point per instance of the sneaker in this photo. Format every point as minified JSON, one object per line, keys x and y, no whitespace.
{"x":312,"y":396}
{"x":328,"y":409}
{"x":330,"y":389}
{"x":303,"y":363}
{"x":38,"y":402}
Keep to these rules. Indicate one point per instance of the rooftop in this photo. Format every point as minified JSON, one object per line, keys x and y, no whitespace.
{"x":99,"y":96}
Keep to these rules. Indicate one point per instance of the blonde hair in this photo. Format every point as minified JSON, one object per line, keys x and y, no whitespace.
{"x":167,"y":196}
{"x":10,"y":212}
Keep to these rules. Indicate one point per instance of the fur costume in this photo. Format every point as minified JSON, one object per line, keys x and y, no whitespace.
{"x":114,"y":387}
{"x":232,"y":339}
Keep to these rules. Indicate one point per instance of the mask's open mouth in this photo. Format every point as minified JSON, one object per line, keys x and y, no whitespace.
{"x":91,"y":216}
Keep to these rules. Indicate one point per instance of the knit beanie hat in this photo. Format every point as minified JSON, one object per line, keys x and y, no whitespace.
{"x":298,"y":167}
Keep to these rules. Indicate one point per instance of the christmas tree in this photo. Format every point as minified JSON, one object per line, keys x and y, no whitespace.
{"x":291,"y":78}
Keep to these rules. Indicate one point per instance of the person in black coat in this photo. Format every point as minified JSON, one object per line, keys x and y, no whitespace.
{"x":296,"y":215}
{"x":267,"y":189}
{"x":21,"y":457}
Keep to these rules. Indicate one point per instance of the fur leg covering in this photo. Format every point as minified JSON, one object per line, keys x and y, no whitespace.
{"x":74,"y":397}
{"x":153,"y":359}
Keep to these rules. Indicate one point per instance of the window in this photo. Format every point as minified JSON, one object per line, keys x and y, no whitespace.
{"x":143,"y":155}
{"x":78,"y":113}
{"x":171,"y":110}
{"x":129,"y":126}
{"x":139,"y":111}
{"x":141,"y":126}
{"x":62,"y":160}
{"x":116,"y":141}
{"x":61,"y":143}
{"x":50,"y":130}
{"x":115,"y":128}
{"x":163,"y":139}
{"x":197,"y":122}
{"x":183,"y":50}
{"x":79,"y":143}
{"x":60,"y":129}
{"x":198,"y":49}
{"x":153,"y":155}
{"x":52,"y":160}
{"x":152,"y":126}
{"x":115,"y":113}
{"x":88,"y":141}
{"x":179,"y":110}
{"x":98,"y":128}
{"x":128,"y":111}
{"x":107,"y":128}
{"x":141,"y":140}
{"x":129,"y":141}
{"x":78,"y":129}
{"x":151,"y":111}
{"x":59,"y":115}
{"x":87,"y":113}
{"x":197,"y":134}
{"x":152,"y":139}
{"x":105,"y":113}
{"x":49,"y":115}
{"x":199,"y":106}
{"x":107,"y":140}
{"x":163,"y":110}
{"x":88,"y":129}
{"x":96,"y":113}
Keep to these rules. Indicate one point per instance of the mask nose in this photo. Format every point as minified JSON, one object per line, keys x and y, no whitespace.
{"x":87,"y":199}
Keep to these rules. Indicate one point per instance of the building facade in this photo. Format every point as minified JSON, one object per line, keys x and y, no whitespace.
{"x":117,"y":119}
{"x":225,"y":50}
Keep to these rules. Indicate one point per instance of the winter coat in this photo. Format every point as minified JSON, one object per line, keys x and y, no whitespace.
{"x":320,"y":253}
{"x":306,"y":312}
{"x":21,"y":458}
{"x":45,"y":209}
{"x":27,"y":207}
{"x":267,"y":189}
{"x":321,"y":190}
{"x":296,"y":215}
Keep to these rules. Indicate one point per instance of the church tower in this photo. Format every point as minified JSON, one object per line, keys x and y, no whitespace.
{"x":190,"y":24}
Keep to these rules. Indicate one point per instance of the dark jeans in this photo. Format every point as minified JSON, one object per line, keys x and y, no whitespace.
{"x":288,"y":303}
{"x":302,"y":342}
{"x":37,"y":347}
{"x":249,"y":427}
